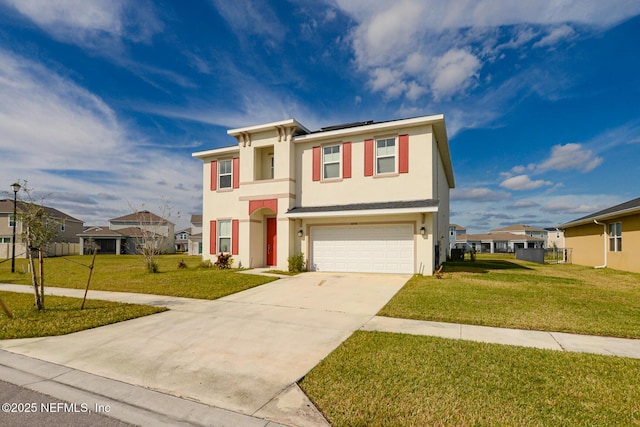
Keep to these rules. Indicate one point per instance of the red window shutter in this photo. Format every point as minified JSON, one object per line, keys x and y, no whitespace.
{"x":214,"y":175}
{"x":213,"y":236}
{"x":368,"y":157}
{"x":346,"y":160}
{"x":235,"y":172}
{"x":403,"y":153}
{"x":316,"y":163}
{"x":234,"y":236}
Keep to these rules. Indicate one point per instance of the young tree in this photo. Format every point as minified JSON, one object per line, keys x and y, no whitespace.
{"x":153,"y":236}
{"x":38,"y":229}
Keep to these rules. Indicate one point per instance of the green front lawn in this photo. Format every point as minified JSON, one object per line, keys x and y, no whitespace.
{"x":508,"y":293}
{"x":126,"y":273}
{"x":383,"y":379}
{"x":62,"y":315}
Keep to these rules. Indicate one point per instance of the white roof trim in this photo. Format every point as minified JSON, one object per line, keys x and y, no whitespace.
{"x":267,"y":126}
{"x":372,"y":127}
{"x":216,"y":152}
{"x":362,"y":212}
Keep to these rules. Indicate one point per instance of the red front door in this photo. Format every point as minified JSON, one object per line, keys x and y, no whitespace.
{"x":271,"y":241}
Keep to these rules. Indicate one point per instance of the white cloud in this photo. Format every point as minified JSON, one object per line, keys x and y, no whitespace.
{"x":570,"y":156}
{"x":247,"y":17}
{"x":556,"y":34}
{"x":92,"y":23}
{"x":478,"y":194}
{"x":442,"y":46}
{"x":453,"y":72}
{"x":523,"y":182}
{"x":67,"y":142}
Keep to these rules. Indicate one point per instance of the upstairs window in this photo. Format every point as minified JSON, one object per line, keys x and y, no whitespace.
{"x":385,"y":156}
{"x":224,"y":174}
{"x":331,"y":162}
{"x":11,"y":220}
{"x":615,"y":237}
{"x":62,"y":226}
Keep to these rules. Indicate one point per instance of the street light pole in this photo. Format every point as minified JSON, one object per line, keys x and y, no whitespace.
{"x":16,"y":187}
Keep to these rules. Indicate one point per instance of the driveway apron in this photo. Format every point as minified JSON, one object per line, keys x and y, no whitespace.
{"x":242,"y":352}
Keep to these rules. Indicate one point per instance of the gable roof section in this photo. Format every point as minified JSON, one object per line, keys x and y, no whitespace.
{"x":141,"y":217}
{"x":357,"y":209}
{"x":516,"y":227}
{"x":626,"y":208}
{"x":6,"y":206}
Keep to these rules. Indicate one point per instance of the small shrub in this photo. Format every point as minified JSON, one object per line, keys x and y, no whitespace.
{"x":182,"y":264}
{"x":224,"y":261}
{"x":296,"y":263}
{"x":206,"y":264}
{"x":152,"y":266}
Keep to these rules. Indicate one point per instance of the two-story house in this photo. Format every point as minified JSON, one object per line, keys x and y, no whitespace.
{"x":360,"y":197}
{"x":195,"y":238}
{"x":67,"y":226}
{"x":129,"y":233}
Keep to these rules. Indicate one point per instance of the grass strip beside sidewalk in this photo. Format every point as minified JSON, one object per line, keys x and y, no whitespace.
{"x":521,"y":295}
{"x":378,"y":378}
{"x":63,"y":315}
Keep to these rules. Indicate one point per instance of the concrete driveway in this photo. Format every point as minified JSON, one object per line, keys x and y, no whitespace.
{"x":243,"y":352}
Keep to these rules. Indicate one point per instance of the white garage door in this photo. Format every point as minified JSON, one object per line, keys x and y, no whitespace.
{"x":362,"y":248}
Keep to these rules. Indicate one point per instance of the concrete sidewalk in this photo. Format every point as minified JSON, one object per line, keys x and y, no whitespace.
{"x":538,"y":339}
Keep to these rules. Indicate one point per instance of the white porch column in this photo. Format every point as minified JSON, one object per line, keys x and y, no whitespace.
{"x":118,"y":240}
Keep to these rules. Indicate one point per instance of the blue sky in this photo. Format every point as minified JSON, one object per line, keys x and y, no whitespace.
{"x":103,"y":102}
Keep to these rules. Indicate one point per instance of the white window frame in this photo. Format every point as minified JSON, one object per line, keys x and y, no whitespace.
{"x":223,"y":236}
{"x":273,"y":166}
{"x":615,"y":239}
{"x":62,"y":225}
{"x":11,"y":220}
{"x":229,"y":174}
{"x":338,"y":162}
{"x":395,"y":155}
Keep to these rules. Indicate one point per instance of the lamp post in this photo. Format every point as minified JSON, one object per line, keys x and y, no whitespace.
{"x":16,"y":187}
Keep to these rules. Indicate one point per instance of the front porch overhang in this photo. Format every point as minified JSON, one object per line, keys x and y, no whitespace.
{"x":365,"y":209}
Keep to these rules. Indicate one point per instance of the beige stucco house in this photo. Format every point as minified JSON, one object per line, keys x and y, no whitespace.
{"x":67,"y":227}
{"x":195,"y":238}
{"x":127,"y":234}
{"x":361,"y":197}
{"x":607,"y":238}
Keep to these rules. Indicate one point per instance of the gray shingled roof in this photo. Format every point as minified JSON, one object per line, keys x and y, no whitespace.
{"x":427,"y":203}
{"x":632,"y":206}
{"x":6,"y":206}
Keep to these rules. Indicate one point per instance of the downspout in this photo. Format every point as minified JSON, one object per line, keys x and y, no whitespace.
{"x":604,"y":236}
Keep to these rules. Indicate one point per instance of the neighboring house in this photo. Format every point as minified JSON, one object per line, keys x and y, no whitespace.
{"x":607,"y":238}
{"x":524,"y":230}
{"x":555,"y":238}
{"x":362,"y":197}
{"x":127,"y":234}
{"x":454,"y":231}
{"x":182,"y":240}
{"x":67,"y":227}
{"x":195,"y":239}
{"x":500,"y":242}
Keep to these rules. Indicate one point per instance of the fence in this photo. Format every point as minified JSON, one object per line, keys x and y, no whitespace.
{"x":54,"y":249}
{"x":558,"y":255}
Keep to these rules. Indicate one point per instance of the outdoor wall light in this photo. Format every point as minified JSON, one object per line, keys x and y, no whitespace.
{"x":300,"y":233}
{"x":423,"y":231}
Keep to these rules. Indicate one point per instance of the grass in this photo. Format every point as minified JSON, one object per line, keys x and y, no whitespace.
{"x":126,"y":273}
{"x":508,"y":293}
{"x":384,"y":379}
{"x":62,"y":315}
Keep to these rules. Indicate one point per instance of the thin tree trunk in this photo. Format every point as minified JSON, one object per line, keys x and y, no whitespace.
{"x":34,"y":279}
{"x":41,"y":260}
